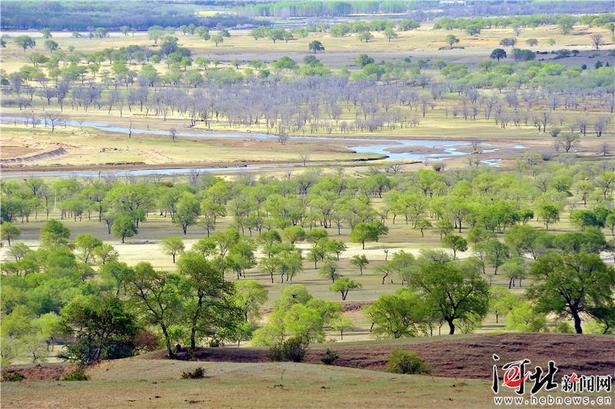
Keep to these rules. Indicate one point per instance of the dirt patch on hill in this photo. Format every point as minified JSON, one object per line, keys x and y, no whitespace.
{"x":472,"y":357}
{"x":39,"y":372}
{"x":465,"y":357}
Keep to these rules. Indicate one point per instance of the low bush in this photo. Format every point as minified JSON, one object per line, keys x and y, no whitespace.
{"x":406,"y":362}
{"x":13,"y":377}
{"x":329,"y":357}
{"x":293,"y":349}
{"x":196,"y":373}
{"x":75,"y":375}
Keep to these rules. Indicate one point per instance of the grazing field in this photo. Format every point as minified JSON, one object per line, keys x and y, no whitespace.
{"x":142,"y":383}
{"x":242,"y":377}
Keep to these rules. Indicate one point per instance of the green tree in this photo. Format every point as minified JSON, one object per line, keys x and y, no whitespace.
{"x":156,"y":296}
{"x":173,"y":246}
{"x":496,"y":253}
{"x":9,"y":232}
{"x":250,"y":297}
{"x":365,"y":36}
{"x":514,"y":270}
{"x":86,"y":244}
{"x":451,"y":39}
{"x":457,"y":293}
{"x":501,"y":302}
{"x":124,"y":226}
{"x":566,"y":23}
{"x":498,"y":54}
{"x":344,"y":285}
{"x":316,"y":46}
{"x":329,"y":269}
{"x":208,"y":305}
{"x":397,"y":315}
{"x":571,"y":284}
{"x":363,"y":232}
{"x":293,"y":234}
{"x":455,"y":243}
{"x":24,"y":42}
{"x":359,"y":261}
{"x":187,"y":211}
{"x":102,"y":327}
{"x":296,"y":314}
{"x":524,"y":318}
{"x":549,"y":213}
{"x":54,"y":233}
{"x":390,"y":33}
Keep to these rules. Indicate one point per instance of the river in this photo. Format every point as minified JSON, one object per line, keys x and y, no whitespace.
{"x":393,"y":149}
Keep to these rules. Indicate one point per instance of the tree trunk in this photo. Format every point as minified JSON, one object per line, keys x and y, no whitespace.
{"x":451,"y":326}
{"x":577,"y":322}
{"x":167,"y":341}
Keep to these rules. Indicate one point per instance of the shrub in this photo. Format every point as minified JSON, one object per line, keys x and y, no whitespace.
{"x":76,"y":375}
{"x":329,"y":357}
{"x":406,"y":362}
{"x":13,"y":377}
{"x":196,"y":373}
{"x":293,"y":349}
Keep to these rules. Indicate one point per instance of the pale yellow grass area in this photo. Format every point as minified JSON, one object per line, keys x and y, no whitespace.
{"x":86,"y":146}
{"x":422,"y":42}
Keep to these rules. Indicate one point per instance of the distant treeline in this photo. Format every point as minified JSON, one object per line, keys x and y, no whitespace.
{"x":421,"y":8}
{"x":533,"y":20}
{"x":84,"y":15}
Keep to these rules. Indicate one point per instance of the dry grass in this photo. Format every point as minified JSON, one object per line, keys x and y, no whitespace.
{"x":141,"y":383}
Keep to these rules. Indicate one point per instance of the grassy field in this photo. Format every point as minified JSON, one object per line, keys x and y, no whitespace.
{"x":142,"y":383}
{"x":424,"y":42}
{"x":239,"y":378}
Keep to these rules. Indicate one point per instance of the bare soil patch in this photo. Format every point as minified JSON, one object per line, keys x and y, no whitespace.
{"x":39,"y":372}
{"x":464,"y":357}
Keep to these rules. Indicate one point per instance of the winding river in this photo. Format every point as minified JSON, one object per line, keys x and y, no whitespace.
{"x":391,"y":149}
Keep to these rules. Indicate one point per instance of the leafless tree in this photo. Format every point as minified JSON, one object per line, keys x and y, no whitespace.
{"x":193,"y":176}
{"x":568,"y":141}
{"x":53,"y":119}
{"x":600,"y":126}
{"x":304,"y":157}
{"x":597,"y":40}
{"x":605,"y":149}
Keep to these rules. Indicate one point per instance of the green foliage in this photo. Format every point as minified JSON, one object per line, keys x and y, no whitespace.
{"x":344,"y":285}
{"x":454,"y":289}
{"x":75,"y":375}
{"x":173,"y":246}
{"x":102,"y":328}
{"x":292,"y":349}
{"x":296,"y":314}
{"x":329,"y":357}
{"x":573,"y":285}
{"x":406,"y":362}
{"x":13,"y":376}
{"x":397,"y":315}
{"x":524,"y":318}
{"x":364,"y":232}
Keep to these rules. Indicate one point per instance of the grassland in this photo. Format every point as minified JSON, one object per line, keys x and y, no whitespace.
{"x":142,"y":383}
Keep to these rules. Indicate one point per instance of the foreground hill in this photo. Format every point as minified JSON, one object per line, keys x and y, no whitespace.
{"x":242,"y":377}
